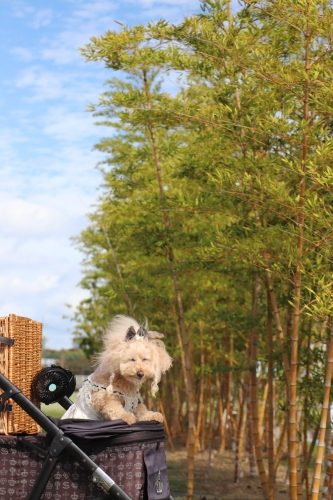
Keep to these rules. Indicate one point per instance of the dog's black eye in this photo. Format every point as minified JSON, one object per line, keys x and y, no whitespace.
{"x":145,"y":359}
{"x":132,"y":359}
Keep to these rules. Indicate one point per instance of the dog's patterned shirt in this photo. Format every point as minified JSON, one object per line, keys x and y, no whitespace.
{"x":83,"y":408}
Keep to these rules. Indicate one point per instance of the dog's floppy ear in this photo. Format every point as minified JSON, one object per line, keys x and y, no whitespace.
{"x":162,"y":363}
{"x":130,"y":334}
{"x":155,"y":335}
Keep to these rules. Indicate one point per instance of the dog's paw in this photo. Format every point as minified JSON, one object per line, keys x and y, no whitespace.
{"x":129,"y":418}
{"x":158,"y":417}
{"x":153,"y":415}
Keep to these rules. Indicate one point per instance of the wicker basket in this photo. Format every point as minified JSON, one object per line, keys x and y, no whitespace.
{"x":19,"y":363}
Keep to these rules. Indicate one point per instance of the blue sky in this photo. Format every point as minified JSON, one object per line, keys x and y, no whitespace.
{"x":48,"y":176}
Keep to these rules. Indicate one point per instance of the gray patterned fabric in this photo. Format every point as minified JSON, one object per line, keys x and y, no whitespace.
{"x":19,"y":468}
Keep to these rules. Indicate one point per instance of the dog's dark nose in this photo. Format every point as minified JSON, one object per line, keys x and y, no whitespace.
{"x":140,"y":374}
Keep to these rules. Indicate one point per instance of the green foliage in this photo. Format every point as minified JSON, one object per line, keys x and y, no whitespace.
{"x":246,"y":150}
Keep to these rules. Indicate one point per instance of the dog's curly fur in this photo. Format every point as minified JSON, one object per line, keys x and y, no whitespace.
{"x":131,"y":355}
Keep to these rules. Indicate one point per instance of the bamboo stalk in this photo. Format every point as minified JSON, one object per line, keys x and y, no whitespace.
{"x":293,"y":438}
{"x":207,"y":396}
{"x":310,"y":452}
{"x":180,"y":309}
{"x":262,"y":411}
{"x":211,"y":412}
{"x":231,"y":363}
{"x":238,"y":435}
{"x":270,"y":385}
{"x":281,"y":445}
{"x":323,"y":421}
{"x":249,"y":426}
{"x":180,"y":344}
{"x":220,"y":412}
{"x":278,"y":322}
{"x":243,"y":435}
{"x":166,"y":427}
{"x":200,"y":399}
{"x":229,"y":418}
{"x":253,"y":390}
{"x":305,"y":423}
{"x":328,"y":481}
{"x":210,"y":430}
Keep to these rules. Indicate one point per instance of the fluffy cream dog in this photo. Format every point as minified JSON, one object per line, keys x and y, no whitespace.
{"x":131,"y":355}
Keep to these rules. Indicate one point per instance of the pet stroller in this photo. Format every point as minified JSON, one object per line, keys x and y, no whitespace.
{"x":78,"y":459}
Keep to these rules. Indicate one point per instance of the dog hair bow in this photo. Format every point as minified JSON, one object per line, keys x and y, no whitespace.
{"x":131,"y":334}
{"x":141,"y":333}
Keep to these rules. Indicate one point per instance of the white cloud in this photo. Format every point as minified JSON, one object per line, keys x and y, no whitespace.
{"x":93,"y":10}
{"x":38,"y":277}
{"x":158,"y":3}
{"x":90,"y":19}
{"x":21,"y":286}
{"x":29,"y":219}
{"x":171,"y":10}
{"x":41,"y":18}
{"x":45,"y":84}
{"x":22,"y":54}
{"x":41,"y":85}
{"x":67,"y":125}
{"x":37,"y":18}
{"x":21,"y":9}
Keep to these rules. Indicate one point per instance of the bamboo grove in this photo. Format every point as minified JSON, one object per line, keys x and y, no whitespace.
{"x":215,"y":222}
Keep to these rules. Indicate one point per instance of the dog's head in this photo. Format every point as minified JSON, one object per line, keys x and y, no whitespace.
{"x":134,"y":352}
{"x":136,"y":362}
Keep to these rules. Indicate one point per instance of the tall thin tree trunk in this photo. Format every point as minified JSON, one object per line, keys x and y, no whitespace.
{"x":238,"y":438}
{"x":176,"y":420}
{"x":270,"y":444}
{"x":252,"y":462}
{"x":243,"y":435}
{"x":180,"y":309}
{"x":328,"y":481}
{"x":166,"y":426}
{"x":201,"y":396}
{"x":293,"y":444}
{"x":310,"y":452}
{"x":231,"y":403}
{"x":323,"y":421}
{"x":305,"y":421}
{"x":180,"y":344}
{"x":278,"y":322}
{"x":200,"y":410}
{"x":229,"y":406}
{"x":207,"y":396}
{"x":253,"y":389}
{"x":210,"y":428}
{"x":263,"y":411}
{"x":220,"y":411}
{"x":281,"y":446}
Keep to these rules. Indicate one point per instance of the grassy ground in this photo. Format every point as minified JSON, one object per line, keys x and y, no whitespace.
{"x":216,"y":481}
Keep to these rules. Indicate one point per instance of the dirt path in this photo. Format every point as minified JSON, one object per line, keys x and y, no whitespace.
{"x":218,"y":482}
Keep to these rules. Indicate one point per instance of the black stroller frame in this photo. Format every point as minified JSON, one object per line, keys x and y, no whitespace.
{"x":60,"y":442}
